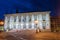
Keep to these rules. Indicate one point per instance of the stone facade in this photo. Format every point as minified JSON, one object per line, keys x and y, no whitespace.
{"x":28,"y":21}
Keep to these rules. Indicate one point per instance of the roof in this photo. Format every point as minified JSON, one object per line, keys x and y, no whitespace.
{"x":27,"y":13}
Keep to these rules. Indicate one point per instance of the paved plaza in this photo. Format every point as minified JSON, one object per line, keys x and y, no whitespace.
{"x":30,"y":35}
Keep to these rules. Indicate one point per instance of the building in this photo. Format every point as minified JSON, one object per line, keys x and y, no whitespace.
{"x":55,"y":23}
{"x":28,"y":21}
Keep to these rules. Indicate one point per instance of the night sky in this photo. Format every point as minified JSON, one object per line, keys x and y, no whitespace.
{"x":10,"y":6}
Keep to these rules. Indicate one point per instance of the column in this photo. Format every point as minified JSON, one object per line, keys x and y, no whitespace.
{"x":40,"y":21}
{"x":47,"y":16}
{"x":11,"y":22}
{"x":19,"y":25}
{"x":33,"y":26}
{"x":27,"y":23}
{"x":17,"y":22}
{"x":14,"y":22}
{"x":21,"y":22}
{"x":37,"y":17}
{"x":32,"y":21}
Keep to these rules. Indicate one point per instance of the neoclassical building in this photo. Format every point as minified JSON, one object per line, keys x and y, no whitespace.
{"x":28,"y":21}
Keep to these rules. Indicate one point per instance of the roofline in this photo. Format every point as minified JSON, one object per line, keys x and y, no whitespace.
{"x":27,"y":13}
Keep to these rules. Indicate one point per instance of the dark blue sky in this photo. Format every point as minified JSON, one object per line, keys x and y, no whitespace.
{"x":10,"y":6}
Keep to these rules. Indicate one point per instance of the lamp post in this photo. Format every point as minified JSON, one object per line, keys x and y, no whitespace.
{"x":37,"y":28}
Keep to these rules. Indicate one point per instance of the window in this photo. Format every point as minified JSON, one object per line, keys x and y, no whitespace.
{"x":14,"y":19}
{"x":30,"y":26}
{"x":24,"y":26}
{"x":29,"y":19}
{"x":14,"y":27}
{"x":44,"y":25}
{"x":8,"y":27}
{"x":35,"y":25}
{"x":24,"y":19}
{"x":18,"y":26}
{"x":8,"y":20}
{"x":35,"y":17}
{"x":11,"y":18}
{"x":44,"y":17}
{"x":19,"y":19}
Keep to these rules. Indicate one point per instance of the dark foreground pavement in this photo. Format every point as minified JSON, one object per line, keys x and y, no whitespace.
{"x":29,"y":35}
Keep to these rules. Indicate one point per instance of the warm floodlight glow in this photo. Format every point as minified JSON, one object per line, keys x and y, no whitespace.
{"x":1,"y":23}
{"x":36,"y":21}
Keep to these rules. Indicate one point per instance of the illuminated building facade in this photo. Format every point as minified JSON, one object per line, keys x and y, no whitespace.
{"x":28,"y":21}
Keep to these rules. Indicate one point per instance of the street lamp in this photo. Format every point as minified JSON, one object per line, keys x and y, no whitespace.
{"x":36,"y":22}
